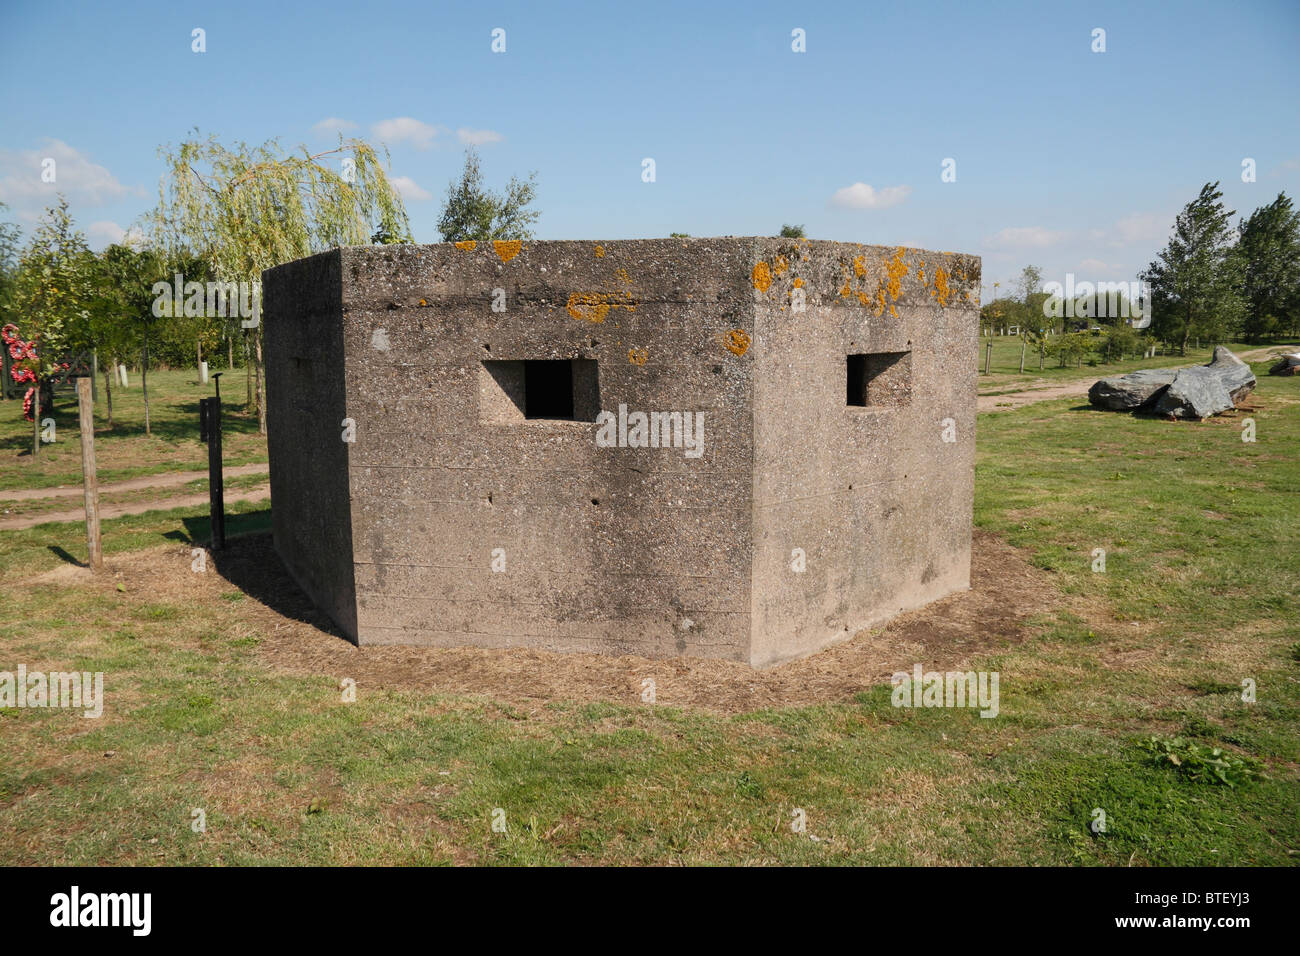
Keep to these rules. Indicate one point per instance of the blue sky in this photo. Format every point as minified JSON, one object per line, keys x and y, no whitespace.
{"x":1073,"y":160}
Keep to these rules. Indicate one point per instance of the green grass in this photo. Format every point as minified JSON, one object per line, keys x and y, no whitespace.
{"x":49,"y":545}
{"x":1199,"y":591}
{"x":125,"y":451}
{"x":1005,"y":374}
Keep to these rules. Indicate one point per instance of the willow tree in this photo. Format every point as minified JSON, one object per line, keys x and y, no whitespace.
{"x":245,"y":209}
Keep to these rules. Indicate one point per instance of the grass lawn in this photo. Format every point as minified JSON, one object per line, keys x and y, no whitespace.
{"x":1199,"y":592}
{"x":125,"y":451}
{"x":1005,"y":374}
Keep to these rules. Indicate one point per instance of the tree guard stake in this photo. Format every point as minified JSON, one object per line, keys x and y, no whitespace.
{"x":210,"y":432}
{"x":86,"y":417}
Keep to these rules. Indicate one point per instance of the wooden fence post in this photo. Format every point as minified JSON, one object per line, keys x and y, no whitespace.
{"x":86,"y":413}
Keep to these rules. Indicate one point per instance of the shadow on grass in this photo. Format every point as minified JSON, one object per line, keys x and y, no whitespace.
{"x":64,"y":555}
{"x":198,"y":529}
{"x":250,"y":563}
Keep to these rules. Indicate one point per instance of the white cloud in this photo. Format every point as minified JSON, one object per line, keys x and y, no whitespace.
{"x":1024,"y":237}
{"x":478,"y":137}
{"x":404,"y":129}
{"x":409,"y":189}
{"x":862,"y":196}
{"x":1143,"y":227}
{"x":1093,"y":265}
{"x":332,"y":124}
{"x":105,"y":230}
{"x":74,"y":175}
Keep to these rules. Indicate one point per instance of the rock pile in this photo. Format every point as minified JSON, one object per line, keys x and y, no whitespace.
{"x":1287,"y":365}
{"x":1196,"y":392}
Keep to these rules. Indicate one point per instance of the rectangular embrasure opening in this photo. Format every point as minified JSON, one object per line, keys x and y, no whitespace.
{"x":546,"y":389}
{"x":879,"y":379}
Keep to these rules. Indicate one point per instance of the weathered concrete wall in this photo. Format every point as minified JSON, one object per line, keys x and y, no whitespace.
{"x":877,"y":501}
{"x":305,"y":404}
{"x":619,"y":550}
{"x":626,"y":549}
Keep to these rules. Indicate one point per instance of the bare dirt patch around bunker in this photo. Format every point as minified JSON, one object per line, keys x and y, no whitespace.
{"x":296,"y":638}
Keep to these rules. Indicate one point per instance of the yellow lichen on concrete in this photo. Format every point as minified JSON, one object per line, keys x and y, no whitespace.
{"x":595,"y":306}
{"x":780,"y":266}
{"x":507,"y":249}
{"x":896,"y":269}
{"x":466,"y":245}
{"x":859,"y":266}
{"x":762,"y":277}
{"x":798,"y":283}
{"x":638,"y":356}
{"x":600,"y":252}
{"x":737,"y":341}
{"x":941,"y":291}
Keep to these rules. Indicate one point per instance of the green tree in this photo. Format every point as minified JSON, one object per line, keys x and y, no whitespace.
{"x":50,"y":297}
{"x":474,"y":212}
{"x":1102,"y":308}
{"x":792,"y":232}
{"x":10,"y":250}
{"x":246,"y":209}
{"x":121,"y":312}
{"x":1031,"y":280}
{"x":1117,"y":341}
{"x":1030,"y":286}
{"x":1195,"y":281}
{"x":1270,"y":253}
{"x":1071,"y":347}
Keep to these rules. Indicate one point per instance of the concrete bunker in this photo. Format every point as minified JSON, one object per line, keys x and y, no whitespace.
{"x":737,"y":448}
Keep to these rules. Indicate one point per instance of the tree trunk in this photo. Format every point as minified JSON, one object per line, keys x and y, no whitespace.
{"x":261,"y":386}
{"x":144,"y":379}
{"x":230,"y":352}
{"x":108,"y":390}
{"x":36,"y":419}
{"x":248,"y":377}
{"x":1022,"y":356}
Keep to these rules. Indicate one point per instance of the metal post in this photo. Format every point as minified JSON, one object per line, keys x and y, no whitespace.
{"x":210,"y":431}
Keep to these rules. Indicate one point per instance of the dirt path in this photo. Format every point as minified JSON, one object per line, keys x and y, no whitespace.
{"x":106,"y":511}
{"x":1077,"y":388}
{"x":988,"y":403}
{"x":166,"y":480}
